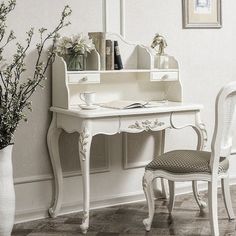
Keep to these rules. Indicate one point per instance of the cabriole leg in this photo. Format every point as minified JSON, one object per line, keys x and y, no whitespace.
{"x":53,"y":148}
{"x":197,"y":196}
{"x":213,"y":211}
{"x":172,"y":195}
{"x":148,"y":190}
{"x":85,"y":140}
{"x":227,"y":197}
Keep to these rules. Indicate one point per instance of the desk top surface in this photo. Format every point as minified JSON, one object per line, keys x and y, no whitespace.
{"x":108,"y":112}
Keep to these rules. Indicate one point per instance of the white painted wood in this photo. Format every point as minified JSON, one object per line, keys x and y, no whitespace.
{"x":139,"y":66}
{"x":172,"y":195}
{"x":53,"y":148}
{"x":134,"y":55}
{"x":227,"y":198}
{"x":182,"y":120}
{"x":213,"y":207}
{"x":148,"y":190}
{"x":85,"y":141}
{"x":202,"y":140}
{"x":175,"y":108}
{"x":109,"y":123}
{"x":140,"y":72}
{"x":225,"y":115}
{"x":164,"y":76}
{"x":173,"y":91}
{"x":136,"y":124}
{"x":7,"y":192}
{"x":60,"y":90}
{"x":145,"y":60}
{"x":85,"y":78}
{"x":202,"y":205}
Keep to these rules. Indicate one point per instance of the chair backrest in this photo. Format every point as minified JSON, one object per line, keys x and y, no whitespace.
{"x":225,"y":117}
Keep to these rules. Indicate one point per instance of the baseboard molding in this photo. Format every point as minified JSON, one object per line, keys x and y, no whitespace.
{"x":40,"y":213}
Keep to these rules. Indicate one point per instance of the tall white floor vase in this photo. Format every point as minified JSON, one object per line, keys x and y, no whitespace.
{"x":7,"y":192}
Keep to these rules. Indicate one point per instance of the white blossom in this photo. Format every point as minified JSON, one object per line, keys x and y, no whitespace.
{"x":76,"y":44}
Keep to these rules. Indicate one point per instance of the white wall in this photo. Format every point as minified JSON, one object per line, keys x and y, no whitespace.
{"x":206,"y":63}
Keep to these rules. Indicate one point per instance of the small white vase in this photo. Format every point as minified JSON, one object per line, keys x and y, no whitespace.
{"x":7,"y":192}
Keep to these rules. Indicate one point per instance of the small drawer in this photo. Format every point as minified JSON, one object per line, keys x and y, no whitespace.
{"x":83,"y":78}
{"x":164,"y":76}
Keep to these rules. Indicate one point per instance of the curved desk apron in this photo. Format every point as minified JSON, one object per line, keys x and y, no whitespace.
{"x":109,"y":121}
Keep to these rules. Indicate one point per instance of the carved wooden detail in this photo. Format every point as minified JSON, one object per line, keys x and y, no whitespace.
{"x":83,"y":141}
{"x":146,"y":125}
{"x":204,"y":133}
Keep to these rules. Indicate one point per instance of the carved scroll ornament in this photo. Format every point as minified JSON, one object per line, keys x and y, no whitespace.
{"x":146,"y":125}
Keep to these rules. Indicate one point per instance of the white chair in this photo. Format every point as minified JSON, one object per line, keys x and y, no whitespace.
{"x":191,"y":165}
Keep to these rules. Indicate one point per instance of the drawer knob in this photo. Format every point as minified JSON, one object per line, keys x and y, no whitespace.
{"x":85,"y":78}
{"x":165,"y":77}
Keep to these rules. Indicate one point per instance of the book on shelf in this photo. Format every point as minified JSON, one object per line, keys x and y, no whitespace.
{"x":99,"y":40}
{"x":109,"y":55}
{"x":117,"y":57}
{"x":128,"y":104}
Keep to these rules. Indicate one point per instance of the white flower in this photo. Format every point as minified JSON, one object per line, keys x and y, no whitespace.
{"x":76,"y":44}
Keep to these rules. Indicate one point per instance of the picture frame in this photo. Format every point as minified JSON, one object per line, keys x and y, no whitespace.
{"x":202,"y":14}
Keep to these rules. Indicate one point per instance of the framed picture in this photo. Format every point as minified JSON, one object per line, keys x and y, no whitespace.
{"x":202,"y":14}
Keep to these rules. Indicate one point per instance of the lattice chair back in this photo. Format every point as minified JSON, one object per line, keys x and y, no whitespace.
{"x":225,"y":119}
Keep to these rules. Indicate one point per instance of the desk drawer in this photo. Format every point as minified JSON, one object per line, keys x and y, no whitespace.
{"x":164,"y":76}
{"x":135,"y":124}
{"x":85,"y":78}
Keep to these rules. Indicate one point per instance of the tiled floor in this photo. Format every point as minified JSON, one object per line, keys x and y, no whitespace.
{"x":127,"y":220}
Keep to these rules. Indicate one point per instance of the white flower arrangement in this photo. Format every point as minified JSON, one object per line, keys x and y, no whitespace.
{"x":76,"y":44}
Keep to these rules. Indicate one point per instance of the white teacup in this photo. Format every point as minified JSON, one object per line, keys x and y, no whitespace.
{"x":88,"y":98}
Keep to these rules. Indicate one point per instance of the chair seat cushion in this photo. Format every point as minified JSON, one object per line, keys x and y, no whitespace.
{"x":186,"y":161}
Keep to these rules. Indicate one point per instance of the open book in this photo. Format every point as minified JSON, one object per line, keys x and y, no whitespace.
{"x":126,"y":104}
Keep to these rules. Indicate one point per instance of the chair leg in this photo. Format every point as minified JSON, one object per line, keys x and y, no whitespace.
{"x":227,"y":197}
{"x":148,"y":190}
{"x":171,"y":195}
{"x":212,"y":204}
{"x":197,"y":196}
{"x":164,"y":191}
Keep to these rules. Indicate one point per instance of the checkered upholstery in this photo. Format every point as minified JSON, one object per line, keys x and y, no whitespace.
{"x":186,"y":161}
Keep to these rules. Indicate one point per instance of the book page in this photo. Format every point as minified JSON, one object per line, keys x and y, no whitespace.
{"x":128,"y":104}
{"x":123,"y":104}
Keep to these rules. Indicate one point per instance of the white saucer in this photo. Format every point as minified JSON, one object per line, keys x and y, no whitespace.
{"x":86,"y":107}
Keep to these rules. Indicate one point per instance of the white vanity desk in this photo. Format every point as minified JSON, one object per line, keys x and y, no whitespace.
{"x":138,"y":84}
{"x":109,"y":122}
